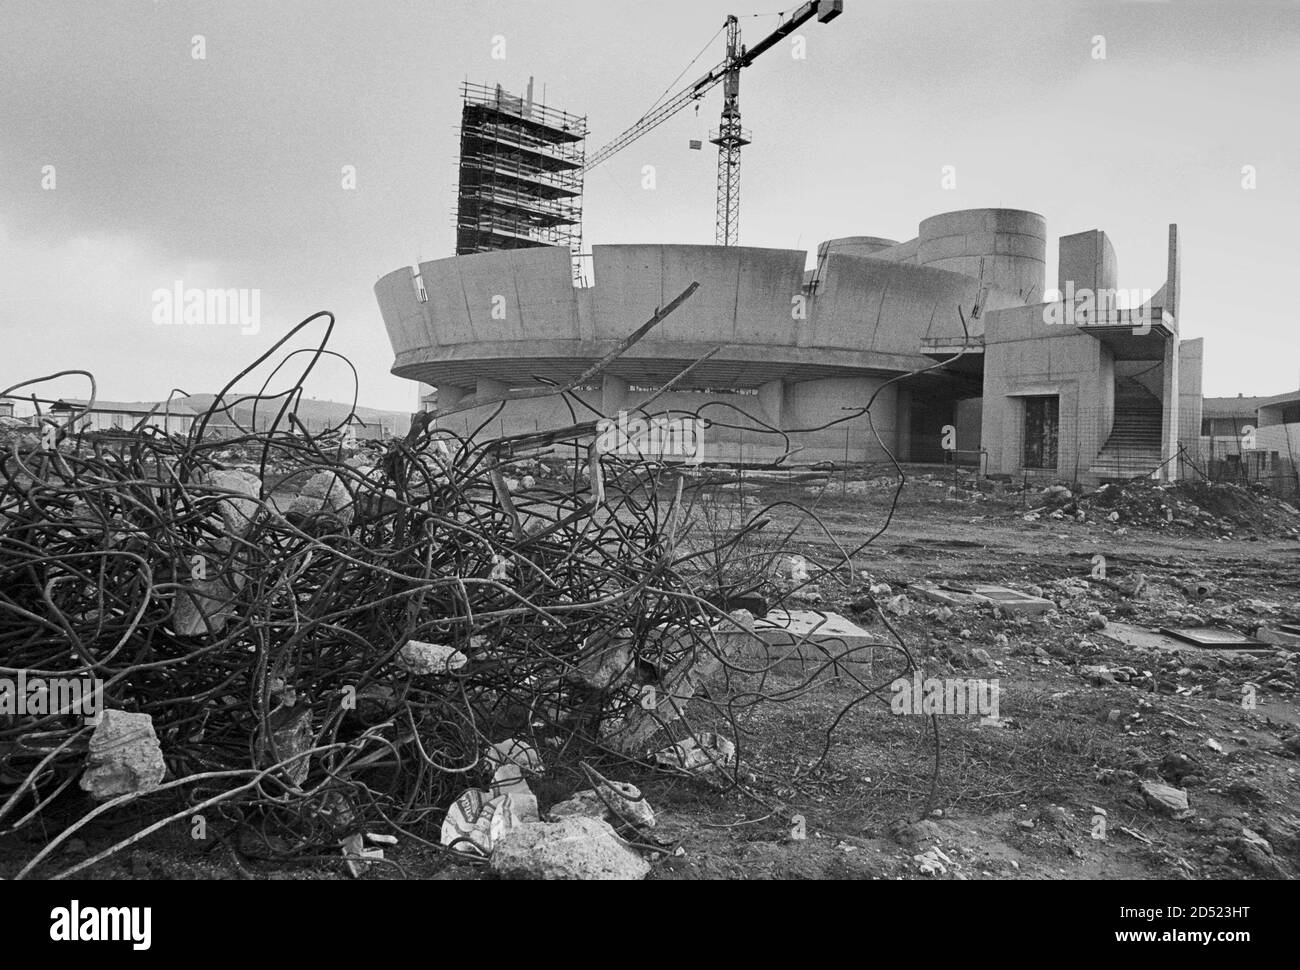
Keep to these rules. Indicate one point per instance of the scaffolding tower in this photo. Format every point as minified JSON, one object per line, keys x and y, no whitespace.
{"x":520,"y":173}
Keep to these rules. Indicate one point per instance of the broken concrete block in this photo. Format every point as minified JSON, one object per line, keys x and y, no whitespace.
{"x":285,"y":736}
{"x":1011,"y":600}
{"x":572,"y":848}
{"x":125,"y":756}
{"x":323,"y":495}
{"x":800,"y":637}
{"x":236,"y":513}
{"x":419,"y":658}
{"x":949,"y":598}
{"x":1165,"y":798}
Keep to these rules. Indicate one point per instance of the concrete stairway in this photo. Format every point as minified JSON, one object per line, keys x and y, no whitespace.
{"x":1133,"y":448}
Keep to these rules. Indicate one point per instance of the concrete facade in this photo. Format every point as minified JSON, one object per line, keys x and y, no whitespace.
{"x":796,"y":348}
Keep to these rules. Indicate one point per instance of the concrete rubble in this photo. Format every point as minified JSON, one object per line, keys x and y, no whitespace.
{"x":125,"y":756}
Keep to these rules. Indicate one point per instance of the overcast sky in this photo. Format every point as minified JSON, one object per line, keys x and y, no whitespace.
{"x":227,"y":171}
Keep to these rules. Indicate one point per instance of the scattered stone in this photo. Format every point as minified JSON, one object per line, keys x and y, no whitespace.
{"x":420,"y":658}
{"x":700,"y":754}
{"x":1097,"y":674}
{"x":1164,"y":798}
{"x":583,"y":804}
{"x":572,"y":848}
{"x":898,"y":605}
{"x":911,"y":834}
{"x":932,"y":862}
{"x":1259,"y":858}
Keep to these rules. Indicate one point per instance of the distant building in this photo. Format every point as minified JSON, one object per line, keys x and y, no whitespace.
{"x":1282,"y":409}
{"x":170,"y":417}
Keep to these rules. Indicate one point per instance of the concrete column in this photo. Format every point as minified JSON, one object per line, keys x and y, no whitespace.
{"x":1169,"y":425}
{"x":449,"y":395}
{"x":613,"y":395}
{"x":771,"y":397}
{"x":903,"y":425}
{"x":486,"y":388}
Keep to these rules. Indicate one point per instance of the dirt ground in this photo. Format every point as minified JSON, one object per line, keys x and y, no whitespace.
{"x":1051,"y":790}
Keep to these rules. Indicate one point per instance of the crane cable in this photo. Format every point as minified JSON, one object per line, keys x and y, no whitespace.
{"x":673,"y":83}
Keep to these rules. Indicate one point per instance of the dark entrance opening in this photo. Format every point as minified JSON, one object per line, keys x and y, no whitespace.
{"x":1042,"y":422}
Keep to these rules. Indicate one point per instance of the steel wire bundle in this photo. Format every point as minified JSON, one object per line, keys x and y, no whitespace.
{"x":266,"y":642}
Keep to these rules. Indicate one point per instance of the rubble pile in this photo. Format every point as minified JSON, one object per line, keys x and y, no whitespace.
{"x":345,"y":659}
{"x":321,"y":645}
{"x":1214,"y":508}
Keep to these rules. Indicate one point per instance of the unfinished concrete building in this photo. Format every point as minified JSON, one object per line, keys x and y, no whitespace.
{"x":1075,"y":385}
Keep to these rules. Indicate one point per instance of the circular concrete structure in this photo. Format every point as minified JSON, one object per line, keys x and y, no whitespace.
{"x":798,"y":351}
{"x":1005,"y":247}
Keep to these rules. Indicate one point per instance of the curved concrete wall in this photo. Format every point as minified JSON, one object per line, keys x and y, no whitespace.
{"x":1009,"y":244}
{"x":510,"y":316}
{"x":854,"y":246}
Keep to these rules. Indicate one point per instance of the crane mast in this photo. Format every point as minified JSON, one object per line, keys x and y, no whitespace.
{"x":729,"y":139}
{"x":730,"y":136}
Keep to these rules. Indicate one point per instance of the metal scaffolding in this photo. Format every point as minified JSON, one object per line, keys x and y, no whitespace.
{"x":520,"y":173}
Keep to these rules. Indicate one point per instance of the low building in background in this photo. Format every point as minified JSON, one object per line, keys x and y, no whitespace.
{"x":170,"y":417}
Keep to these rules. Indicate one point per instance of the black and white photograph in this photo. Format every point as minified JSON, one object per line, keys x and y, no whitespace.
{"x":590,"y":440}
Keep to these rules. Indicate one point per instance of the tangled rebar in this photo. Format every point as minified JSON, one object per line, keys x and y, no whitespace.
{"x":327,"y":643}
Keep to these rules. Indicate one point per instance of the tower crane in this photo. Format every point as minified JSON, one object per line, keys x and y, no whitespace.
{"x":730,"y":136}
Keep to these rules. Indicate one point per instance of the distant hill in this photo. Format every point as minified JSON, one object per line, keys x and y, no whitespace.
{"x":316,"y":415}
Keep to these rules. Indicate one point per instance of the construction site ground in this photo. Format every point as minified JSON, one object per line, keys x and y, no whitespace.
{"x":1050,"y":791}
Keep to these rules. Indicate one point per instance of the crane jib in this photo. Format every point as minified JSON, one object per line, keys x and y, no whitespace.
{"x":730,"y":136}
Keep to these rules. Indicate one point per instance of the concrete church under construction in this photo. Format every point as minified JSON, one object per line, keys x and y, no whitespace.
{"x":1056,"y":385}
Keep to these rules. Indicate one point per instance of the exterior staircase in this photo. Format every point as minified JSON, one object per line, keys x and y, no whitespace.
{"x":1133,"y":448}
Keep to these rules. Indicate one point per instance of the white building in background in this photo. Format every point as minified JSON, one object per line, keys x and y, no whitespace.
{"x":169,"y":417}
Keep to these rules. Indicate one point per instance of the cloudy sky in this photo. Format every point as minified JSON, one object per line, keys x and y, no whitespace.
{"x":227,"y":170}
